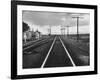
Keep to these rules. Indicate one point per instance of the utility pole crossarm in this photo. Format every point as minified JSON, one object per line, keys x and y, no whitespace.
{"x":77,"y":17}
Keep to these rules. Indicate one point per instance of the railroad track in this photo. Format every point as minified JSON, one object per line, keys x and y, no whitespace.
{"x":31,"y":48}
{"x":36,"y":43}
{"x":64,"y":53}
{"x":54,"y":54}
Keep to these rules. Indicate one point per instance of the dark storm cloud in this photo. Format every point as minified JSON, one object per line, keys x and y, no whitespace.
{"x":52,"y":18}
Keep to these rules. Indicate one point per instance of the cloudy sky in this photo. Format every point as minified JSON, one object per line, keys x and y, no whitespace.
{"x":44,"y":20}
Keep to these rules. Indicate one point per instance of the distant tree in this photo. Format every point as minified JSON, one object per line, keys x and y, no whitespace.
{"x":25,"y":27}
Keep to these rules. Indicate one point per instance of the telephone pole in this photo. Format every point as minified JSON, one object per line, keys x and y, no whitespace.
{"x":77,"y":18}
{"x":49,"y":31}
{"x":67,"y":30}
{"x":63,"y":30}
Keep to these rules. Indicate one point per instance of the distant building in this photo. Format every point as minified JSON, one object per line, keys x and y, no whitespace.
{"x":29,"y":35}
{"x":24,"y":37}
{"x":37,"y":34}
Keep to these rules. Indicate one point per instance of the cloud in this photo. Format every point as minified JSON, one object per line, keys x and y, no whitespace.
{"x":53,"y":18}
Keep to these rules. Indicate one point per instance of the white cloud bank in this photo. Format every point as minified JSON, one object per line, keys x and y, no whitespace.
{"x":43,"y":20}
